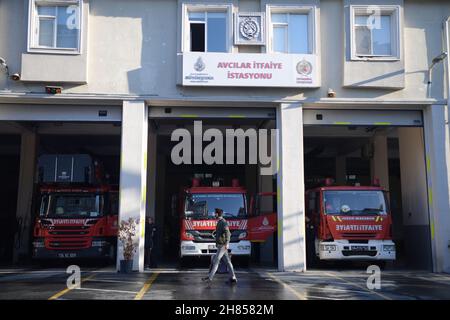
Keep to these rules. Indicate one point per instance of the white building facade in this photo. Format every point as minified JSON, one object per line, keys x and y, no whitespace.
{"x":317,"y":70}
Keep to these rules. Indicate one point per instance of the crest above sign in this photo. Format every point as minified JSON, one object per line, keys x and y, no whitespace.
{"x":249,"y":28}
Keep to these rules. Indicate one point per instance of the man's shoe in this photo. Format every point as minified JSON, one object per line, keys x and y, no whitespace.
{"x":206,"y":279}
{"x":232,"y":281}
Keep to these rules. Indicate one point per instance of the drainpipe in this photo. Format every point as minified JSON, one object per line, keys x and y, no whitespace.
{"x":446,"y":43}
{"x":447,"y":65}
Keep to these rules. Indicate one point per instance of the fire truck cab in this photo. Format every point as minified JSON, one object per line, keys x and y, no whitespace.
{"x":348,"y":223}
{"x":196,"y":208}
{"x":77,"y":210}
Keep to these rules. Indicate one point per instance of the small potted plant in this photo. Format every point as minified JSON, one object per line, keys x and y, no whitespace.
{"x":128,"y":237}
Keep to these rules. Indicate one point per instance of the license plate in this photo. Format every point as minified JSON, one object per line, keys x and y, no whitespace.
{"x":67,"y":255}
{"x":212,"y":247}
{"x":360,"y":248}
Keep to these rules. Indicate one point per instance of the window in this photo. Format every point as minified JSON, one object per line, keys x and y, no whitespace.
{"x":55,"y":25}
{"x":375,"y":32}
{"x":292,"y":29}
{"x":203,"y":205}
{"x":355,"y":202}
{"x":207,"y":29}
{"x":72,"y":205}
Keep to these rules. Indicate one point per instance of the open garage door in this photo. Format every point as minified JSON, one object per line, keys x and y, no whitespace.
{"x":363,"y":149}
{"x":9,"y":171}
{"x":409,"y":118}
{"x":211,"y":113}
{"x":73,"y":113}
{"x":184,"y":190}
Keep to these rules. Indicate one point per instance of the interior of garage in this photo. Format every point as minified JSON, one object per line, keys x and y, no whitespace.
{"x":171,"y":178}
{"x":100,"y":140}
{"x":350,"y":152}
{"x":9,"y":171}
{"x":356,"y":152}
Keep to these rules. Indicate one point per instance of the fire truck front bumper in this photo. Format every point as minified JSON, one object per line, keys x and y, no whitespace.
{"x":100,"y":249}
{"x":191,"y":248}
{"x":343,"y":250}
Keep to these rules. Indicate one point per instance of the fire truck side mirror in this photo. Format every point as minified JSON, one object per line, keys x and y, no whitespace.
{"x":195,"y":183}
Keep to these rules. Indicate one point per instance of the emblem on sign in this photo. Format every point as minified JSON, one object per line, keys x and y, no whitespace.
{"x":249,"y":28}
{"x":199,"y":65}
{"x":265,"y":222}
{"x":304,"y":68}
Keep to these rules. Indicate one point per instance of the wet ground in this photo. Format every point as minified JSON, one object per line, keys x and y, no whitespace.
{"x":254,"y":284}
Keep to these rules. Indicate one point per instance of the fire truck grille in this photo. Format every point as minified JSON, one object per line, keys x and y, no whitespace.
{"x":368,"y":253}
{"x":72,"y":233}
{"x":208,"y":236}
{"x":69,"y":231}
{"x":63,"y":244}
{"x":364,"y":235}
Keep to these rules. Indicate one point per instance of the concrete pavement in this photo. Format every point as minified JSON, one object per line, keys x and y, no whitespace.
{"x":254,"y":284}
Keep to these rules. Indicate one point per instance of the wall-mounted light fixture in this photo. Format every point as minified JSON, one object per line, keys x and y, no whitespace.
{"x":4,"y":65}
{"x":434,"y":62}
{"x":15,"y":77}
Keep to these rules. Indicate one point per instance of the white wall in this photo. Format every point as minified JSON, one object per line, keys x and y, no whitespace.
{"x":132,"y":49}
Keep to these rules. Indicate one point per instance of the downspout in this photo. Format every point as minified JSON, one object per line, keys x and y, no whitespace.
{"x":446,"y":43}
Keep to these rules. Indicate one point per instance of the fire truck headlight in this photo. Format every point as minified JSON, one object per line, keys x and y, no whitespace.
{"x":45,"y":223}
{"x":243,"y":235}
{"x":389,"y":247}
{"x":328,"y":247}
{"x":99,"y":243}
{"x":189,"y":235}
{"x":38,"y":244}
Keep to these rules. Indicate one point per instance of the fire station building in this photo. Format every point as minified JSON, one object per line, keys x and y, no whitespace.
{"x":355,"y":90}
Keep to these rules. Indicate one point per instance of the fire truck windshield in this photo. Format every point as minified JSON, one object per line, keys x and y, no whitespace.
{"x":71,"y":205}
{"x":355,"y":202}
{"x":202,"y":206}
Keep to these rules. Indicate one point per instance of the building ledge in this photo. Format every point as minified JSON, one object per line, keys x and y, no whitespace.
{"x":208,"y":101}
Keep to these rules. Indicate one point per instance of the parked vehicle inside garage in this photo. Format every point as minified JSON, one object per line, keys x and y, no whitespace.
{"x":349,"y":223}
{"x":197,"y":204}
{"x":77,"y":215}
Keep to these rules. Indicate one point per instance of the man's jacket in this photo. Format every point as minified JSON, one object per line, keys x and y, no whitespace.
{"x":223,"y":234}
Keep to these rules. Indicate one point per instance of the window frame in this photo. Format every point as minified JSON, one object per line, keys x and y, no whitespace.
{"x":312,"y":25}
{"x":33,"y":27}
{"x":214,"y":7}
{"x":395,"y":24}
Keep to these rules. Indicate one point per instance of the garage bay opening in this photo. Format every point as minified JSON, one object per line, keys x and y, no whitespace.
{"x":188,"y":191}
{"x":366,"y":198}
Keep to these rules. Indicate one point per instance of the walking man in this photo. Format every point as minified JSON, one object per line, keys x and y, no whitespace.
{"x":223,"y":236}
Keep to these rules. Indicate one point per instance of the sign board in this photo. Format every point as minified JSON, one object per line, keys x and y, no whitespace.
{"x":250,"y":70}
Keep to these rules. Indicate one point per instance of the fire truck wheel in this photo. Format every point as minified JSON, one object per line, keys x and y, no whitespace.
{"x":183,"y":262}
{"x":244,"y":262}
{"x":312,"y":261}
{"x":112,"y":254}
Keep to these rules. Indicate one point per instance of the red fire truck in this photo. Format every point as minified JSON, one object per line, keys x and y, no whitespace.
{"x":196,"y":207}
{"x":348,"y":223}
{"x":78,"y":210}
